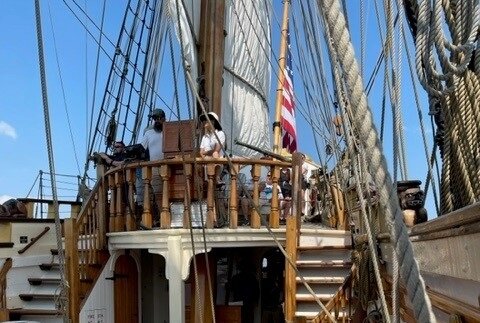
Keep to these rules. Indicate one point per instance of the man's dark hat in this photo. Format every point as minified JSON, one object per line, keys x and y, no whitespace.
{"x":159,"y":113}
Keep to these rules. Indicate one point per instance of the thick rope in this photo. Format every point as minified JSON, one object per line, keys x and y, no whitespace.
{"x":363,"y":122}
{"x":62,"y":302}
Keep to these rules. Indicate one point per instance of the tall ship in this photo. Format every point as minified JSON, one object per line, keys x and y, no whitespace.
{"x":246,"y":162}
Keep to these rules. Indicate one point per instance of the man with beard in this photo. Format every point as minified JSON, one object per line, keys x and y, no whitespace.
{"x":153,"y":142}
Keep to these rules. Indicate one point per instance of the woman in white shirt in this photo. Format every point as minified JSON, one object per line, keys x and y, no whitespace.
{"x":213,"y":138}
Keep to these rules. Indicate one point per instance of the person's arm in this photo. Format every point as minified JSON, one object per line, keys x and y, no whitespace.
{"x":219,"y":143}
{"x":107,"y":160}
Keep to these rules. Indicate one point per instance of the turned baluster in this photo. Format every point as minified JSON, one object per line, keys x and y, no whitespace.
{"x":210,"y":195}
{"x":274,"y":218}
{"x":111,"y":186}
{"x":130,"y":200}
{"x":187,"y":171}
{"x":119,"y":218}
{"x":165,"y":217}
{"x":233,"y":203}
{"x":147,"y":214}
{"x":255,"y":217}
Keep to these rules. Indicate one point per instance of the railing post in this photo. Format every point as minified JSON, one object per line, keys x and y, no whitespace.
{"x":290,"y":279}
{"x":210,"y":195}
{"x":274,"y":211}
{"x":165,"y":218}
{"x":255,"y":217}
{"x":233,"y":203}
{"x":119,"y":218}
{"x":100,"y":207}
{"x":71,"y":261}
{"x":147,"y":215}
{"x":187,"y":171}
{"x":131,"y":215}
{"x":113,"y":214}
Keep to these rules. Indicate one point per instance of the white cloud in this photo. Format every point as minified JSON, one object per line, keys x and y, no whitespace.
{"x":4,"y":198}
{"x":7,"y":130}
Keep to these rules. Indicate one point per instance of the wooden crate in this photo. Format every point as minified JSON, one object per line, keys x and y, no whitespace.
{"x":178,"y":138}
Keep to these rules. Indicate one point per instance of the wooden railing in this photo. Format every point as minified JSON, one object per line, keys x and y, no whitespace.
{"x":341,"y":301}
{"x":85,"y":247}
{"x":34,"y":240}
{"x":184,"y":181}
{"x":112,"y":207}
{"x":3,"y":289}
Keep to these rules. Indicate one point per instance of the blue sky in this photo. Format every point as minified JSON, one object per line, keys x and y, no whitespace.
{"x":22,"y":133}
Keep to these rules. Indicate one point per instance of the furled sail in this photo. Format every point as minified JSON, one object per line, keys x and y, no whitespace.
{"x":246,"y":76}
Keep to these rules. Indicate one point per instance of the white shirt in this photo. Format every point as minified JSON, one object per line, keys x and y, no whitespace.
{"x":153,"y":141}
{"x":210,"y":140}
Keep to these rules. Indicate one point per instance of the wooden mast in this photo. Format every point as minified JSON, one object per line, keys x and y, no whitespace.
{"x":277,"y":130}
{"x":211,"y":49}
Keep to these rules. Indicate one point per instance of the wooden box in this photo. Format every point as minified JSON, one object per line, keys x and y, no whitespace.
{"x":178,"y":138}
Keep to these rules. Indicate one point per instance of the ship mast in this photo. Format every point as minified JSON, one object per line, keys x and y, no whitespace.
{"x":277,"y":130}
{"x":211,"y":49}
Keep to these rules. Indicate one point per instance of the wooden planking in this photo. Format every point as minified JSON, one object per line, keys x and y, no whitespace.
{"x":466,"y":215}
{"x":457,"y":256}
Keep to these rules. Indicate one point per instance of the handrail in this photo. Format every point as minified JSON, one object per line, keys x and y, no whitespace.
{"x":34,"y":240}
{"x":3,"y":286}
{"x":337,"y":297}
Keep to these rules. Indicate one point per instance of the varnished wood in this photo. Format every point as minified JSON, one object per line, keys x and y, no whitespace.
{"x":211,"y":50}
{"x":120,"y":205}
{"x":233,"y":202}
{"x":188,"y":172}
{"x":113,"y":204}
{"x":274,"y":220}
{"x":290,"y":274}
{"x":71,"y":259}
{"x":147,"y":215}
{"x":254,"y":215}
{"x":125,"y":288}
{"x":297,"y":196}
{"x":100,"y":211}
{"x":165,"y":217}
{"x":211,"y":218}
{"x":130,"y":209}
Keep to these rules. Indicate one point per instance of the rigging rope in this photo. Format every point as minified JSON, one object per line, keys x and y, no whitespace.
{"x":62,"y":301}
{"x":377,"y":167}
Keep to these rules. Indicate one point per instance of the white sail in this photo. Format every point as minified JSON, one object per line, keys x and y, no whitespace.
{"x":246,"y":76}
{"x":188,"y":17}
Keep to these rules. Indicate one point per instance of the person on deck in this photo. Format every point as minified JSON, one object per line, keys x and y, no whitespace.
{"x":153,"y":142}
{"x":210,"y":145}
{"x":117,"y":158}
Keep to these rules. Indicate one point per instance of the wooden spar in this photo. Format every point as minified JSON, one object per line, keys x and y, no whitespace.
{"x":277,"y":130}
{"x":211,"y":49}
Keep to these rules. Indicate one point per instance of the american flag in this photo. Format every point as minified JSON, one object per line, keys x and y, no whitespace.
{"x":289,"y":129}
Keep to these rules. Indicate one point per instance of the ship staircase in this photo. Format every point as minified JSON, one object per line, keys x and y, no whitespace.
{"x":323,"y":266}
{"x":31,"y":278}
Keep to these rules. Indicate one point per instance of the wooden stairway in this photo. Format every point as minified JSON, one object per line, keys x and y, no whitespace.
{"x":324,"y":264}
{"x":39,"y":301}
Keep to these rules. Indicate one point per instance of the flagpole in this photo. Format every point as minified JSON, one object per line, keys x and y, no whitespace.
{"x":277,"y":130}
